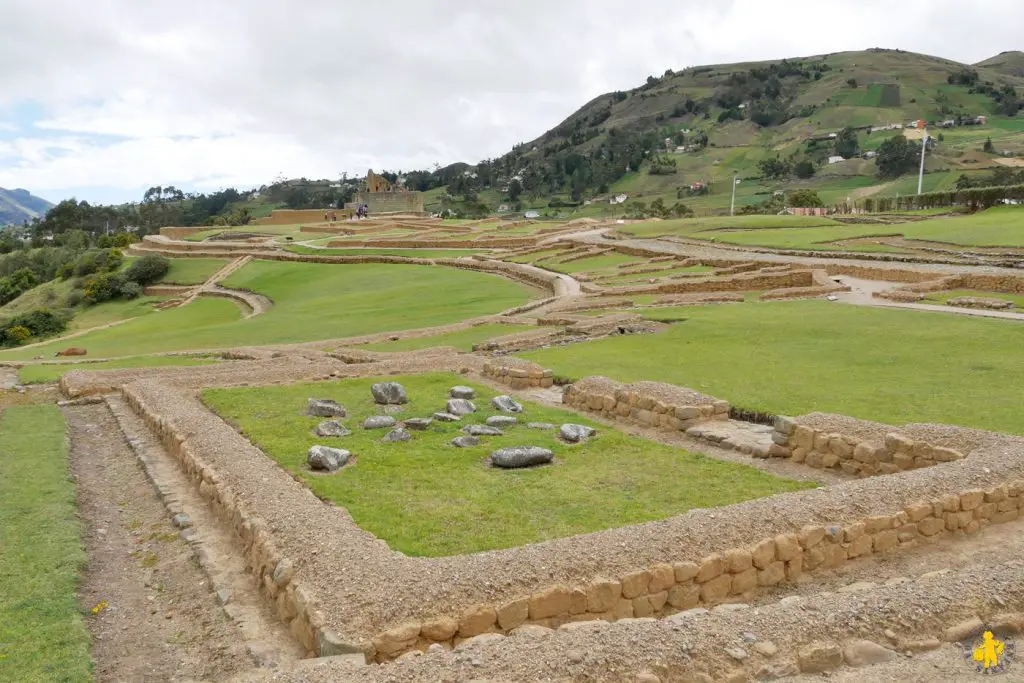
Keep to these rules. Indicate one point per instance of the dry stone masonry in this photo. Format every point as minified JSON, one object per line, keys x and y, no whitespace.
{"x":651,"y":404}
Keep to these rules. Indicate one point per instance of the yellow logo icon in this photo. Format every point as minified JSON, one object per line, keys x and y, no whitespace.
{"x":990,"y":655}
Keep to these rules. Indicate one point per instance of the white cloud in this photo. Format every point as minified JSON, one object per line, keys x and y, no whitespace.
{"x":209,"y":93}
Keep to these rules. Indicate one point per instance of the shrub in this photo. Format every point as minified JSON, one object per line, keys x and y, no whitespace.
{"x":102,"y":287}
{"x":75,"y":297}
{"x":17,"y":335}
{"x":148,"y":269}
{"x":131,"y":290}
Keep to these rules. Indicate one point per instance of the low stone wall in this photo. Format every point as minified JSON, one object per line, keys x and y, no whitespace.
{"x":883,"y":274}
{"x":823,"y":286}
{"x":399,"y":243}
{"x":295,"y":216}
{"x":652,"y":404}
{"x":899,"y":296}
{"x":736,"y":283}
{"x":854,"y":454}
{"x":518,"y":374}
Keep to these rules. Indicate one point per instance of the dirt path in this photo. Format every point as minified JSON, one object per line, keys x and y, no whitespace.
{"x":162,"y":623}
{"x":862,"y":291}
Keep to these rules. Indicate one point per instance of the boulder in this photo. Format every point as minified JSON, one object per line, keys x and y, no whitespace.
{"x":460,"y":406}
{"x":389,"y":393}
{"x":332,"y":428}
{"x":462,"y":392}
{"x":521,"y":456}
{"x":446,"y":417}
{"x":482,"y":430}
{"x":502,"y":421}
{"x":396,"y":435}
{"x":418,"y":424}
{"x":324,"y":407}
{"x":576,"y":433}
{"x":465,"y":441}
{"x":324,"y":459}
{"x":506,"y":404}
{"x":378,"y":422}
{"x":541,"y":425}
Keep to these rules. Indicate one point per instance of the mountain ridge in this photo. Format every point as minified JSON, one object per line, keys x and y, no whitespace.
{"x":19,"y":205}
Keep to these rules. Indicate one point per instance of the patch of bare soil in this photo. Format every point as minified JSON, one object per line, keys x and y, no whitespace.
{"x":162,"y":622}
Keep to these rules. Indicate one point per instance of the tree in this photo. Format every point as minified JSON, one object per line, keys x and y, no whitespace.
{"x":846,"y":144}
{"x":897,"y":156}
{"x":805,"y":199}
{"x":774,"y":168}
{"x":148,"y":269}
{"x":989,"y":147}
{"x":515,"y":189}
{"x":852,"y":82}
{"x":804,"y":169}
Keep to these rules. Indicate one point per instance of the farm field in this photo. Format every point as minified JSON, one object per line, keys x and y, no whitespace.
{"x":311,"y":302}
{"x":821,"y":356}
{"x":443,"y":500}
{"x":42,"y":635}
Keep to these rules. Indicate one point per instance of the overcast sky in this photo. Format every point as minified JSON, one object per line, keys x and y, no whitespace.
{"x":102,"y":99}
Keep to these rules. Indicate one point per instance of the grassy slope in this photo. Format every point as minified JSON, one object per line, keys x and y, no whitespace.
{"x":192,"y":271}
{"x":411,"y":253}
{"x":687,"y":227}
{"x":42,"y":637}
{"x":594,"y":263}
{"x":38,"y":374}
{"x":463,"y":339}
{"x":799,"y":357}
{"x":443,"y":500}
{"x":311,"y":302}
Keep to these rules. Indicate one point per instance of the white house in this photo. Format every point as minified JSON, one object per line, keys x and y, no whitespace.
{"x":835,"y":159}
{"x":531,"y":214}
{"x":618,"y":199}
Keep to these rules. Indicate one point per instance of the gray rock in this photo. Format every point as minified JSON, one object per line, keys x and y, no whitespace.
{"x":462,"y":392}
{"x":418,"y":424}
{"x":324,"y":459}
{"x":465,"y":441}
{"x":506,"y":404}
{"x":737,"y":653}
{"x":332,"y":428}
{"x":541,"y":425}
{"x":446,"y":417}
{"x":482,"y":430}
{"x":396,"y":435}
{"x":324,"y":407}
{"x":389,"y":393}
{"x":460,"y":406}
{"x":502,"y":421}
{"x":182,"y":521}
{"x":576,"y":433}
{"x":378,"y":422}
{"x":521,"y":456}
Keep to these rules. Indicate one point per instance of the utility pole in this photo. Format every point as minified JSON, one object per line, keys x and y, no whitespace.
{"x":735,"y":182}
{"x":920,"y":175}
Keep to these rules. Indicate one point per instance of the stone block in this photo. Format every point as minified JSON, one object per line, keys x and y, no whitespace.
{"x":787,"y":547}
{"x":854,"y":531}
{"x":550,"y":602}
{"x":986,"y":511}
{"x":687,"y":413}
{"x":744,"y":581}
{"x":772,"y":575}
{"x":602,"y":596}
{"x":685,"y":571}
{"x":624,"y":609}
{"x":1004,"y":517}
{"x":903,"y":461}
{"x":965,"y":517}
{"x":578,"y":601}
{"x":864,"y":452}
{"x":859,"y":653}
{"x":821,"y":440}
{"x":439,"y":630}
{"x":513,"y":614}
{"x":968,"y":628}
{"x":930,"y":526}
{"x":814,"y":557}
{"x":996,"y":495}
{"x":635,"y":584}
{"x":716,"y":590}
{"x":799,"y":454}
{"x":794,"y":568}
{"x":784,"y":425}
{"x":971,"y":499}
{"x":810,"y":536}
{"x":835,"y":556}
{"x":780,"y":438}
{"x":662,"y":578}
{"x":777,"y":451}
{"x":395,"y":640}
{"x":642,"y":607}
{"x":803,"y":437}
{"x":839,"y":446}
{"x":737,"y":560}
{"x":873,"y":525}
{"x":813,"y":459}
{"x":684,"y":595}
{"x":763,"y":554}
{"x":829,"y":461}
{"x":897,"y":443}
{"x":884,"y":541}
{"x":940,"y":454}
{"x":818,"y":657}
{"x":710,"y":568}
{"x":918,"y":511}
{"x":658,"y":600}
{"x":476,"y":620}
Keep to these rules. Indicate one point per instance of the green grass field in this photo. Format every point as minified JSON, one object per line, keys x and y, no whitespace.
{"x":611,"y":260}
{"x":687,"y":227}
{"x":462,"y":339}
{"x":40,"y":374}
{"x":943,"y":297}
{"x":192,"y":271}
{"x":311,"y":302}
{"x":428,"y":498}
{"x":803,"y":356}
{"x":410,"y":253}
{"x":42,"y":635}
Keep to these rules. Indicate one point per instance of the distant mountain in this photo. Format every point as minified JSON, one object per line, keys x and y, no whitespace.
{"x":1010,"y":63}
{"x":17,"y":206}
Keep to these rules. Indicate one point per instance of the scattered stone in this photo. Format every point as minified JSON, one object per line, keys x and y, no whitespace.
{"x":465,"y":441}
{"x":325,"y":459}
{"x":502,"y":421}
{"x":378,"y":422}
{"x":964,"y":630}
{"x":397,"y":435}
{"x":462,"y":392}
{"x":460,"y":406}
{"x":521,"y":456}
{"x":223,"y":596}
{"x":418,"y":424}
{"x":866,"y":653}
{"x":576,"y":433}
{"x":540,"y":425}
{"x":766,"y":648}
{"x":182,"y":521}
{"x":446,"y":417}
{"x":506,"y":404}
{"x":389,"y":393}
{"x":818,"y":657}
{"x":748,"y":637}
{"x":332,"y":428}
{"x":482,"y":430}
{"x":574,"y":656}
{"x":324,"y":407}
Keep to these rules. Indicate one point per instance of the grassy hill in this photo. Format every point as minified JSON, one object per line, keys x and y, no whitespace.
{"x":17,"y":206}
{"x":1010,"y":63}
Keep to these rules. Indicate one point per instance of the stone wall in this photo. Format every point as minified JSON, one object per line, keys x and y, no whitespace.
{"x":736,"y":283}
{"x":403,"y":243}
{"x":295,"y":216}
{"x":652,"y":404}
{"x":823,"y":286}
{"x":518,"y":374}
{"x":389,"y":202}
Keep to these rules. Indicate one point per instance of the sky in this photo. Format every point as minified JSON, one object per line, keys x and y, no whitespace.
{"x":102,"y":99}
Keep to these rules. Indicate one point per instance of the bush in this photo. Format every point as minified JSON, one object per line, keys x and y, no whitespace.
{"x":148,"y":269}
{"x":17,"y":335}
{"x":131,"y":290}
{"x":103,"y":287}
{"x":75,"y":297}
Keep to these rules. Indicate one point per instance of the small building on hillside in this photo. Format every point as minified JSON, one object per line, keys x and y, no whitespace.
{"x":382,"y":196}
{"x":531,"y":214}
{"x":619,"y":199}
{"x":835,"y":159}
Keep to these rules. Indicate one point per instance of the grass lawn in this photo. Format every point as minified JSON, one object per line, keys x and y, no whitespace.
{"x":800,"y":238}
{"x":943,"y":297}
{"x":40,"y":374}
{"x":42,"y":636}
{"x":192,"y":271}
{"x":411,"y":253}
{"x":1001,"y":226}
{"x":428,"y":498}
{"x":643,"y":277}
{"x":894,"y":366}
{"x":311,"y":302}
{"x":611,"y":260}
{"x":462,"y":339}
{"x":688,"y":226}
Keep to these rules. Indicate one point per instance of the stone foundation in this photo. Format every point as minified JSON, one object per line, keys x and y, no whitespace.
{"x":518,"y":374}
{"x":651,"y":404}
